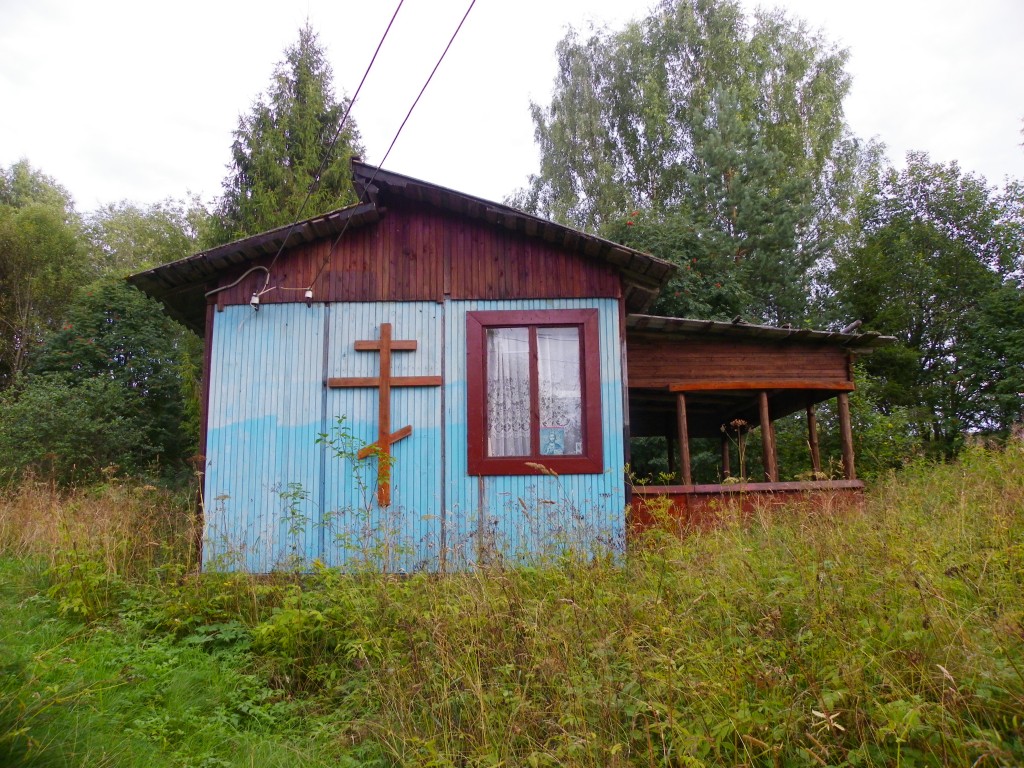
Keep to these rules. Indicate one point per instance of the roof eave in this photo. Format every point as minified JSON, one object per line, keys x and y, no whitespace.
{"x":862,"y":343}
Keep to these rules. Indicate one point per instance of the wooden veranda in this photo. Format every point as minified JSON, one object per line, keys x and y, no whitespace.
{"x":692,"y":379}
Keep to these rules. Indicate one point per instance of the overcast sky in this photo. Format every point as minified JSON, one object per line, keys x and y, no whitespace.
{"x":126,"y":99}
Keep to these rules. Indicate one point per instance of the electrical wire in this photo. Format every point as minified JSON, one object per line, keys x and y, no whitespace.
{"x":408,"y":114}
{"x":330,"y":148}
{"x":248,"y":272}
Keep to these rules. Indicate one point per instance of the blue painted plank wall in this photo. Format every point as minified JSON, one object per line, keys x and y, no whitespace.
{"x":532,"y":516}
{"x":275,"y":497}
{"x":406,"y":535}
{"x":265,"y":414}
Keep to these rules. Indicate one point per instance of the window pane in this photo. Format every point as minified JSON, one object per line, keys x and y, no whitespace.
{"x":508,"y":392}
{"x":561,"y":398}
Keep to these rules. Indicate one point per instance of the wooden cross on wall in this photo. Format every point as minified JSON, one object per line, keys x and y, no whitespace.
{"x":385,"y":381}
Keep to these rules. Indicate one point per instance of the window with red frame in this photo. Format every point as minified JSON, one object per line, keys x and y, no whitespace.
{"x":533,"y":392}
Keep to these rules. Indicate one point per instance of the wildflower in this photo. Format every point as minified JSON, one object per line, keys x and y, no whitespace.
{"x":629,"y":223}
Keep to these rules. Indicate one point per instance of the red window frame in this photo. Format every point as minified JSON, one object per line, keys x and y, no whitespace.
{"x":591,"y":460}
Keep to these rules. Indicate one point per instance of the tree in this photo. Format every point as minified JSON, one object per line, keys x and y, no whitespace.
{"x":707,"y":122}
{"x":115,"y":334}
{"x":994,"y":358}
{"x":67,"y":431}
{"x":22,"y":185}
{"x":282,"y":142}
{"x":125,"y":237}
{"x":930,"y":268}
{"x":41,"y":262}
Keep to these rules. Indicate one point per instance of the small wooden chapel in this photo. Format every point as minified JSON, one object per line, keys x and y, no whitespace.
{"x":426,"y":380}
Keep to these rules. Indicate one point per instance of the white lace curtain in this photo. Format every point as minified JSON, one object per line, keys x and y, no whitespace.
{"x":508,"y":391}
{"x":561,"y":401}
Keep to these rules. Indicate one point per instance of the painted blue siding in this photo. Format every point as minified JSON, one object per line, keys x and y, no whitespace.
{"x":405,"y":535}
{"x":532,"y":515}
{"x":264,"y":417}
{"x":276,"y":497}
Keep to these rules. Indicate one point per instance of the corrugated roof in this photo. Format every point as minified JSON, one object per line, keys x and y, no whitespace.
{"x":689,"y":328}
{"x":181,"y":285}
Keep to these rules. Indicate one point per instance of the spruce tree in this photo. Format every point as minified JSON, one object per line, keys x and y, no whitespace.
{"x":280,"y":144}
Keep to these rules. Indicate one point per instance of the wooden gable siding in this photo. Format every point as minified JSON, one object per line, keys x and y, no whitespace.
{"x":657,"y":362}
{"x":418,"y":253}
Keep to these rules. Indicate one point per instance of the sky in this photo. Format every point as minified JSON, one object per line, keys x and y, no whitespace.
{"x":133,"y":100}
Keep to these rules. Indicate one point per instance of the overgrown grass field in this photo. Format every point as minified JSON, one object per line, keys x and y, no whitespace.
{"x":891,"y":635}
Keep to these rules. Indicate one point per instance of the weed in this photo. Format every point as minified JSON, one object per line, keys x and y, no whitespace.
{"x":890,"y":635}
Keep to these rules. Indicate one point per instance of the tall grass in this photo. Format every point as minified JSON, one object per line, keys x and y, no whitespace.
{"x":127,"y":527}
{"x":889,"y":635}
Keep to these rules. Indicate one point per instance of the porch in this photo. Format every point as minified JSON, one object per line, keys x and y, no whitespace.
{"x":717,"y":383}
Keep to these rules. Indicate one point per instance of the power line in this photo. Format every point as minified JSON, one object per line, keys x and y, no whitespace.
{"x":330,"y":149}
{"x":408,"y":114}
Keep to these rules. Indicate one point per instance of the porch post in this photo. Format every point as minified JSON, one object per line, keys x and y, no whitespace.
{"x":684,"y":440}
{"x":771,"y":469}
{"x":846,"y":435}
{"x":725,"y":456}
{"x":812,"y":440}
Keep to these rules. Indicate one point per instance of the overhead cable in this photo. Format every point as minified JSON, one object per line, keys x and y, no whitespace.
{"x":330,"y":148}
{"x":397,"y":134}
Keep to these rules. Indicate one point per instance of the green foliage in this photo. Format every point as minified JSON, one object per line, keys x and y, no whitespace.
{"x":125,"y":237}
{"x":884,"y":439}
{"x":106,"y":389}
{"x":22,"y":185}
{"x":725,"y":129}
{"x":68,"y":430}
{"x":282,"y":142}
{"x":709,"y":283}
{"x":889,"y":635}
{"x":41,"y":263}
{"x":994,"y":358}
{"x":927,"y":270}
{"x":112,"y":694}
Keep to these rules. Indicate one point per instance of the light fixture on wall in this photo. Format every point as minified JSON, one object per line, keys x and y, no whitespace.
{"x":309,"y":297}
{"x":254,"y":302}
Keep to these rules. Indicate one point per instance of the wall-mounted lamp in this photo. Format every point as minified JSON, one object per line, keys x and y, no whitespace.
{"x":254,"y":302}
{"x":309,"y":297}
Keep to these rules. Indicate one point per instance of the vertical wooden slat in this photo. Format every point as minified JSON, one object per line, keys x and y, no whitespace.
{"x":846,"y":435}
{"x":771,"y":468}
{"x":726,"y":469}
{"x":812,"y":441}
{"x":684,"y":440}
{"x":384,"y":417}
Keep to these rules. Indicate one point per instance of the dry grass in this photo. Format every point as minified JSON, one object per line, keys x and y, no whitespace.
{"x":128,"y":527}
{"x":887,"y":635}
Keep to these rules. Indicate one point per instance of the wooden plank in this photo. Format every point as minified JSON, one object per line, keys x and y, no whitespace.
{"x":337,"y":382}
{"x":739,"y":488}
{"x":384,"y":419}
{"x":708,"y":385}
{"x":768,"y":455}
{"x":373,"y":346}
{"x":394,"y":437}
{"x":812,"y":440}
{"x":684,"y":440}
{"x":726,"y":469}
{"x":846,"y":436}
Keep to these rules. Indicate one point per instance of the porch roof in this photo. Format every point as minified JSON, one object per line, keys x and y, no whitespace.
{"x":722,"y":367}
